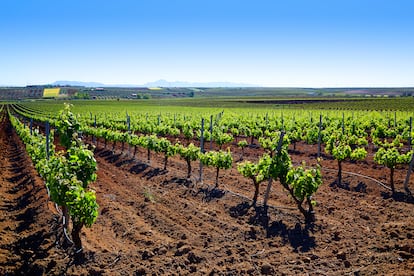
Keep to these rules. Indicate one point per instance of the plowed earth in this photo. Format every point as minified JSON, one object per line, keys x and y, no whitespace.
{"x":157,"y":222}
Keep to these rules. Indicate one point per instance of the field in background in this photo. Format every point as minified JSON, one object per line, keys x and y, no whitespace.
{"x":257,"y":103}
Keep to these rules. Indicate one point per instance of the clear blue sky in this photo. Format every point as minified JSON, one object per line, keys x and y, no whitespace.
{"x":302,"y":43}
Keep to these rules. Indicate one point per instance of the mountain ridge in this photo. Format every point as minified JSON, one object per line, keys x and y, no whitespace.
{"x":158,"y":83}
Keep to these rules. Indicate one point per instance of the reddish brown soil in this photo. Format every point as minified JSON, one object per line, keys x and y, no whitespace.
{"x":158,"y":223}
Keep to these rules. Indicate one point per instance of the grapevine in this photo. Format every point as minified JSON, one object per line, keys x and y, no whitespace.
{"x":219,"y":160}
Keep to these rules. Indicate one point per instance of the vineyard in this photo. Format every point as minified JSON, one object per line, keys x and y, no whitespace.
{"x":128,"y":188}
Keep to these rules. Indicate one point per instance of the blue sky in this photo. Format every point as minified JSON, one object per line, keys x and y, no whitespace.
{"x":295,"y":43}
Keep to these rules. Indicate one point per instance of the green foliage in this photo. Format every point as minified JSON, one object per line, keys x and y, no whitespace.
{"x":190,"y":152}
{"x":58,"y":179}
{"x":248,"y":169}
{"x":310,"y":135}
{"x":67,"y":174}
{"x":149,"y":195}
{"x":222,"y":138}
{"x":300,"y":183}
{"x":242,"y":144}
{"x":82,"y":163}
{"x":82,"y":204}
{"x":257,"y":172}
{"x":81,"y":96}
{"x":270,"y":143}
{"x":358,"y":154}
{"x":295,"y":135}
{"x":188,"y":131}
{"x":219,"y":159}
{"x":304,"y":183}
{"x":151,"y":142}
{"x":68,"y":126}
{"x":280,"y":165}
{"x":166,"y":147}
{"x":391,"y":157}
{"x":343,"y":146}
{"x":254,"y":121}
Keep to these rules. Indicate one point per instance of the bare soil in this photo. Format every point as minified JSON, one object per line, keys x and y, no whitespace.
{"x":156,"y":222}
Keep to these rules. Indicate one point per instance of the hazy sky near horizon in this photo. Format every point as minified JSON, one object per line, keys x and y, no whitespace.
{"x":295,"y":43}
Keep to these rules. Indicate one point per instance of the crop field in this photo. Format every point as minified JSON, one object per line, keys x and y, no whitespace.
{"x":207,"y":186}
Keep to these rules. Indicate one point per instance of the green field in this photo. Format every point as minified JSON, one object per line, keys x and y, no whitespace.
{"x":257,"y":103}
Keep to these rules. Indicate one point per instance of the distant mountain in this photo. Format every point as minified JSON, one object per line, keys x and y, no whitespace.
{"x":78,"y":83}
{"x":158,"y":83}
{"x":164,"y":83}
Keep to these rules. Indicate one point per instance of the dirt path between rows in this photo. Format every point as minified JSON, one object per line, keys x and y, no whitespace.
{"x":155,"y":222}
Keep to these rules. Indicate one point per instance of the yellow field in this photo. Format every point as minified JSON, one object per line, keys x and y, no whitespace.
{"x":51,"y":92}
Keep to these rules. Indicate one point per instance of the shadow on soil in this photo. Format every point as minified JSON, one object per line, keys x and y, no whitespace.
{"x":178,"y":181}
{"x":24,"y":181}
{"x":154,"y":172}
{"x":344,"y":185}
{"x":23,"y":201}
{"x":361,"y":187}
{"x":103,"y":152}
{"x":30,"y":249}
{"x":298,"y":236}
{"x":25,"y":220}
{"x":209,"y":194}
{"x":138,"y":168}
{"x":124,"y":162}
{"x":113,"y":158}
{"x":398,"y":196}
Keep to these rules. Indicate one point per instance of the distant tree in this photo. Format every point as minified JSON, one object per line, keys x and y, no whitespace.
{"x":82,"y":96}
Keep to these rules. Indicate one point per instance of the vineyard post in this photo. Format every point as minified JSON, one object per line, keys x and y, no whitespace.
{"x":409,"y":135}
{"x":94,"y":140}
{"x":269,"y":185}
{"x":31,"y":126}
{"x":129,"y":133}
{"x":407,"y":178}
{"x":343,"y":123}
{"x":389,"y":120}
{"x":395,"y":118}
{"x":47,"y":130}
{"x":211,"y":132}
{"x":201,"y":149}
{"x":410,"y":140}
{"x":319,"y":135}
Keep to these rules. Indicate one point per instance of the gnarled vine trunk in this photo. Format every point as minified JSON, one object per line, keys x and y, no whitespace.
{"x":392,"y":180}
{"x":77,"y":227}
{"x":188,"y":168}
{"x":339,"y":173}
